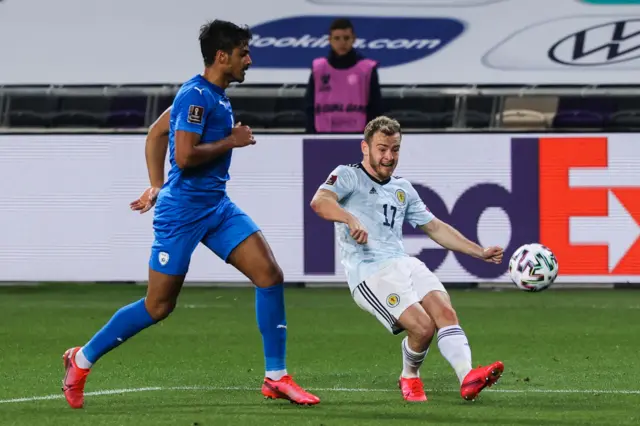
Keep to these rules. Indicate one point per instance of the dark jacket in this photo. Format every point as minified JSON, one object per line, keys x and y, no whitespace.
{"x":374,"y":107}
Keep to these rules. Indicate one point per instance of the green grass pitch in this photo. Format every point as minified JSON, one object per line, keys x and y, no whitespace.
{"x":571,"y":357}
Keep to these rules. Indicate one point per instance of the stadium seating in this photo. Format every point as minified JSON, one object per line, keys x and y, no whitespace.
{"x":283,"y":108}
{"x":627,"y":119}
{"x":127,"y":112}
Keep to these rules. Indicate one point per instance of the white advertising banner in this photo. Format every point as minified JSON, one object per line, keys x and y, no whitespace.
{"x":414,"y":41}
{"x":64,"y":199}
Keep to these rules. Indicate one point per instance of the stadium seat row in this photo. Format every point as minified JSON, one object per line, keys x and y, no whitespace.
{"x":289,"y":113}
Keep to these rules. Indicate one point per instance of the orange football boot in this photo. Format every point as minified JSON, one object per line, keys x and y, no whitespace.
{"x":412,"y":389}
{"x":480,"y":378}
{"x":286,"y":388}
{"x":74,"y":379}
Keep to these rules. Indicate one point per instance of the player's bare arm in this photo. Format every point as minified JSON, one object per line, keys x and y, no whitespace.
{"x":325,"y":204}
{"x":155,"y":149}
{"x":450,"y":238}
{"x":191,"y":153}
{"x":155,"y":152}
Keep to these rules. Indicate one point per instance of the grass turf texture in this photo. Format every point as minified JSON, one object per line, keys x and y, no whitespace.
{"x":569,"y":356}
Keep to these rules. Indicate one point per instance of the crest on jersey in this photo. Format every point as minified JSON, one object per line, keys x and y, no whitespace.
{"x":331,"y":180}
{"x":393,"y":300}
{"x":196,"y":113}
{"x":163,"y":258}
{"x":401,"y":196}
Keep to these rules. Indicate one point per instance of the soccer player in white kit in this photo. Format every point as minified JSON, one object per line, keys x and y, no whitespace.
{"x":368,"y":205}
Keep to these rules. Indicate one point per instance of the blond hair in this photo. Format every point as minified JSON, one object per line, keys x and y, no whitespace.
{"x":384,"y":124}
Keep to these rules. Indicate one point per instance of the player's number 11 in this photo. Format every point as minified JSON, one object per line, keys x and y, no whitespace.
{"x":393,"y":209}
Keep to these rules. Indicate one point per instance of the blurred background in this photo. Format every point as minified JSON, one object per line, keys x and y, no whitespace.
{"x":519,"y":122}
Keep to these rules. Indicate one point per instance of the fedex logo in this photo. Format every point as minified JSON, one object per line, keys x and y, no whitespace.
{"x":590,"y":204}
{"x":578,"y":196}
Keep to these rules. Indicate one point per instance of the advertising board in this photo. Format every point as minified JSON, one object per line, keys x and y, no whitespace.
{"x":414,"y":41}
{"x":64,"y":204}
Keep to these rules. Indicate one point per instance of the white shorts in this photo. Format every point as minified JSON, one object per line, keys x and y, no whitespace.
{"x":390,"y":291}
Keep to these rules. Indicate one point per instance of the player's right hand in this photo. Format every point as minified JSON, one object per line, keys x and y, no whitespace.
{"x":242,"y":135}
{"x":146,"y":200}
{"x":357,"y":231}
{"x":493,"y":254}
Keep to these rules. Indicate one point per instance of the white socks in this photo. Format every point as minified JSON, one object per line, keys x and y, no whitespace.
{"x":411,"y":361}
{"x":454,"y":347}
{"x":275,"y":375}
{"x":81,"y":361}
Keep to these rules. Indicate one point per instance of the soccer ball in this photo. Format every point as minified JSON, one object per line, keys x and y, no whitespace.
{"x":533,"y":267}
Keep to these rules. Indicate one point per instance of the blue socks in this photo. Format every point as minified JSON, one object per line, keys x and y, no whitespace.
{"x":127,"y":322}
{"x":273,"y":326}
{"x":132,"y":319}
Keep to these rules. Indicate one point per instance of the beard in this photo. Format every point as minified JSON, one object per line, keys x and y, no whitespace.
{"x":383,"y":168}
{"x":241,"y":75}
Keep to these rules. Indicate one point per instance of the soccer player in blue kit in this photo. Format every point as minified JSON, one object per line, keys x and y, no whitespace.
{"x":192,"y":207}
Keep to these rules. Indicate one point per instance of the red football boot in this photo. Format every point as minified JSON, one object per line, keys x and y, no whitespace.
{"x":412,"y":389}
{"x":480,"y":378}
{"x":74,"y":379}
{"x":286,"y":388}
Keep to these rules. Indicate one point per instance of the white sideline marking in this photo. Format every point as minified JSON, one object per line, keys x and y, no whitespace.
{"x":95,"y":393}
{"x":244,"y":388}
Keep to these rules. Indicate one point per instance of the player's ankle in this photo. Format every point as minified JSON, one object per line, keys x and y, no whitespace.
{"x":275,"y":375}
{"x":462,"y":372}
{"x":408,"y":374}
{"x":82,"y":361}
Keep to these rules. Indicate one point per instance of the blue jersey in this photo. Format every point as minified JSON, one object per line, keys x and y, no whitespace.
{"x":193,"y":206}
{"x":203,"y":108}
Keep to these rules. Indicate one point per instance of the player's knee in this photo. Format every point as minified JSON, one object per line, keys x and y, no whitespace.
{"x":447,"y":316}
{"x":423,"y":330}
{"x":160,"y":309}
{"x":272,"y":275}
{"x":427,"y":329}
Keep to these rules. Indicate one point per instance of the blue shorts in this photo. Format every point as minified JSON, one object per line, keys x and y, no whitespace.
{"x":177,"y":233}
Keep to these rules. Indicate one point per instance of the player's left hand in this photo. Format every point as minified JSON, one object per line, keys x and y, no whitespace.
{"x":146,"y":200}
{"x":493,"y":254}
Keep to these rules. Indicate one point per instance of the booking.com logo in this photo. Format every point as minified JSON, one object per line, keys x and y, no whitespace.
{"x":295,"y":42}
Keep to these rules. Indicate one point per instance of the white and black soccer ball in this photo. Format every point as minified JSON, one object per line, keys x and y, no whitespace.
{"x":533,"y":267}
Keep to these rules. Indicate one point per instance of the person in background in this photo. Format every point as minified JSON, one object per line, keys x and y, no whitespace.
{"x":343,"y":92}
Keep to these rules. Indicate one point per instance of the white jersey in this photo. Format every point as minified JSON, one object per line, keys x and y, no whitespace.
{"x":381,"y":207}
